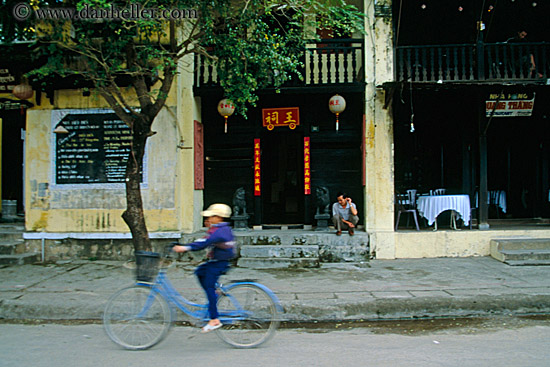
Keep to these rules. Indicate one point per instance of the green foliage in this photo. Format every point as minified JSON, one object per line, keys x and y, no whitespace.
{"x":254,"y":44}
{"x":11,"y":29}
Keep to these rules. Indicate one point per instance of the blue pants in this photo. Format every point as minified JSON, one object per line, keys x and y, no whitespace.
{"x":208,"y":274}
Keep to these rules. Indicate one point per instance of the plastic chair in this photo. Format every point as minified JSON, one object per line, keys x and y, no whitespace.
{"x":473,"y":209}
{"x":438,"y":192}
{"x":494,"y":200}
{"x":406,"y":203}
{"x":411,"y":195}
{"x":453,"y":213}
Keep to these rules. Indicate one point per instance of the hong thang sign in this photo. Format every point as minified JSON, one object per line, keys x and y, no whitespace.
{"x":510,"y":104}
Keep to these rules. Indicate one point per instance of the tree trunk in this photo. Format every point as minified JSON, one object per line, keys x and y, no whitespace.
{"x":133,"y":215}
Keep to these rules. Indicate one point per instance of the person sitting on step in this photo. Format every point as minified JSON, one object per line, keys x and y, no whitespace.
{"x":344,"y":214}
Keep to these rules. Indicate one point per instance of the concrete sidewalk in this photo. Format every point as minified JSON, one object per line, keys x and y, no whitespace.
{"x":379,"y":289}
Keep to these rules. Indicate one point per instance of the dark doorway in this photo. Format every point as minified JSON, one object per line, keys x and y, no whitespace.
{"x":282,"y":177}
{"x":518,"y":162}
{"x":13,"y":123}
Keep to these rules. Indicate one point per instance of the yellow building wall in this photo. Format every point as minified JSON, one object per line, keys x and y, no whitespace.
{"x":187,"y":113}
{"x":453,"y":243}
{"x":167,"y":194}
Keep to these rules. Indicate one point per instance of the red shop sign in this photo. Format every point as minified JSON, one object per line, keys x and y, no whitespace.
{"x":289,"y":116}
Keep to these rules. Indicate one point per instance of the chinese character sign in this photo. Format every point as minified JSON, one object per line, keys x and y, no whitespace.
{"x":257,"y":165}
{"x":273,"y":117}
{"x":307,"y":169}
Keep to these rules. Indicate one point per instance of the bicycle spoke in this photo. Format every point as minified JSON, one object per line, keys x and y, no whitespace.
{"x":250,"y":315}
{"x":137,"y":318}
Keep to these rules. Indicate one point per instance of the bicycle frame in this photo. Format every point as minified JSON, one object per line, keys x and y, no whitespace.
{"x":165,"y":289}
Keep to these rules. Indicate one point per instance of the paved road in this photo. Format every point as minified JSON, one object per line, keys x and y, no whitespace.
{"x":501,"y":342}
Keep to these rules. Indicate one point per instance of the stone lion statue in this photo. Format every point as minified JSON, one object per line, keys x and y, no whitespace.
{"x":239,"y":202}
{"x":322,"y":200}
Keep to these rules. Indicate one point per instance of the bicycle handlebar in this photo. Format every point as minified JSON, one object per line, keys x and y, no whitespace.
{"x":168,"y":249}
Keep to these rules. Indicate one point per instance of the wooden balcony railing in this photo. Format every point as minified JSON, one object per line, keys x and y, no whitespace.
{"x":473,"y":62}
{"x":326,"y":62}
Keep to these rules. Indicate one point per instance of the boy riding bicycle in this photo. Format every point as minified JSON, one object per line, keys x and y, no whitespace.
{"x":221,"y":244}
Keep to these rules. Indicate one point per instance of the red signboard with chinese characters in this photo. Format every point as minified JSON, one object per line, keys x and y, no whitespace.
{"x":307,"y":169}
{"x":257,"y":165}
{"x":289,"y":116}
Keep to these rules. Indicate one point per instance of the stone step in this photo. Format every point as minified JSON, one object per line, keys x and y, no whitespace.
{"x":522,"y":243}
{"x":17,"y":226}
{"x":19,"y":259}
{"x":521,"y":251}
{"x":277,"y":263}
{"x":527,"y":262}
{"x":283,"y":227}
{"x":331,"y":248}
{"x":11,"y":234}
{"x":12,"y":247}
{"x":292,"y":238}
{"x":527,"y":254}
{"x":298,"y":251}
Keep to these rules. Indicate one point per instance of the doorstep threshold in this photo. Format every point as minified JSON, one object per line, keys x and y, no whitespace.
{"x":283,"y":227}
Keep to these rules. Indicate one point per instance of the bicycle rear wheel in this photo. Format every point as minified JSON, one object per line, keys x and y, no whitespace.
{"x":250,"y":316}
{"x":137,"y":317}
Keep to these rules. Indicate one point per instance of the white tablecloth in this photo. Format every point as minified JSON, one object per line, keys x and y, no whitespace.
{"x":500,"y":199}
{"x":431,"y":206}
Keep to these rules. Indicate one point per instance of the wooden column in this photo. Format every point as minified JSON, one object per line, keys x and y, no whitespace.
{"x":482,"y":196}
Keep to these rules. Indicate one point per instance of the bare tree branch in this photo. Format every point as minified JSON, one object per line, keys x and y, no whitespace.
{"x":107,"y":93}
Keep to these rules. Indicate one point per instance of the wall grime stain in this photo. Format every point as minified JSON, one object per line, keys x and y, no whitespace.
{"x":41,"y":223}
{"x":370,"y":135}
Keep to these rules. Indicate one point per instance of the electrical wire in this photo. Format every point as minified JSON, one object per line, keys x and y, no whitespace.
{"x":491,"y":20}
{"x":398,"y":23}
{"x":480,"y":20}
{"x":412,"y":107}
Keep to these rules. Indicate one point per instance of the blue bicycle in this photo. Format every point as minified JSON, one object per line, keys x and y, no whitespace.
{"x":140,"y":316}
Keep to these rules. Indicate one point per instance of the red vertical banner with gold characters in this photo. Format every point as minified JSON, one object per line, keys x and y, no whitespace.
{"x":307,"y":167}
{"x":257,"y":167}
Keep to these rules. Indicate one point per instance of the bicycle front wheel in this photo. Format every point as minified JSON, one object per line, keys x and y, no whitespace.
{"x":249,"y":314}
{"x":137,"y":317}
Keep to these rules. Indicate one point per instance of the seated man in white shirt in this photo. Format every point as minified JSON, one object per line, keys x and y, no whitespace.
{"x":344,"y":214}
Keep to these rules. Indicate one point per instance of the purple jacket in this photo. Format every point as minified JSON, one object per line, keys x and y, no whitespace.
{"x":220,"y":240}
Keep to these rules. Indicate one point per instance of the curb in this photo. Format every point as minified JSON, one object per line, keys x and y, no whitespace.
{"x":319,"y":310}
